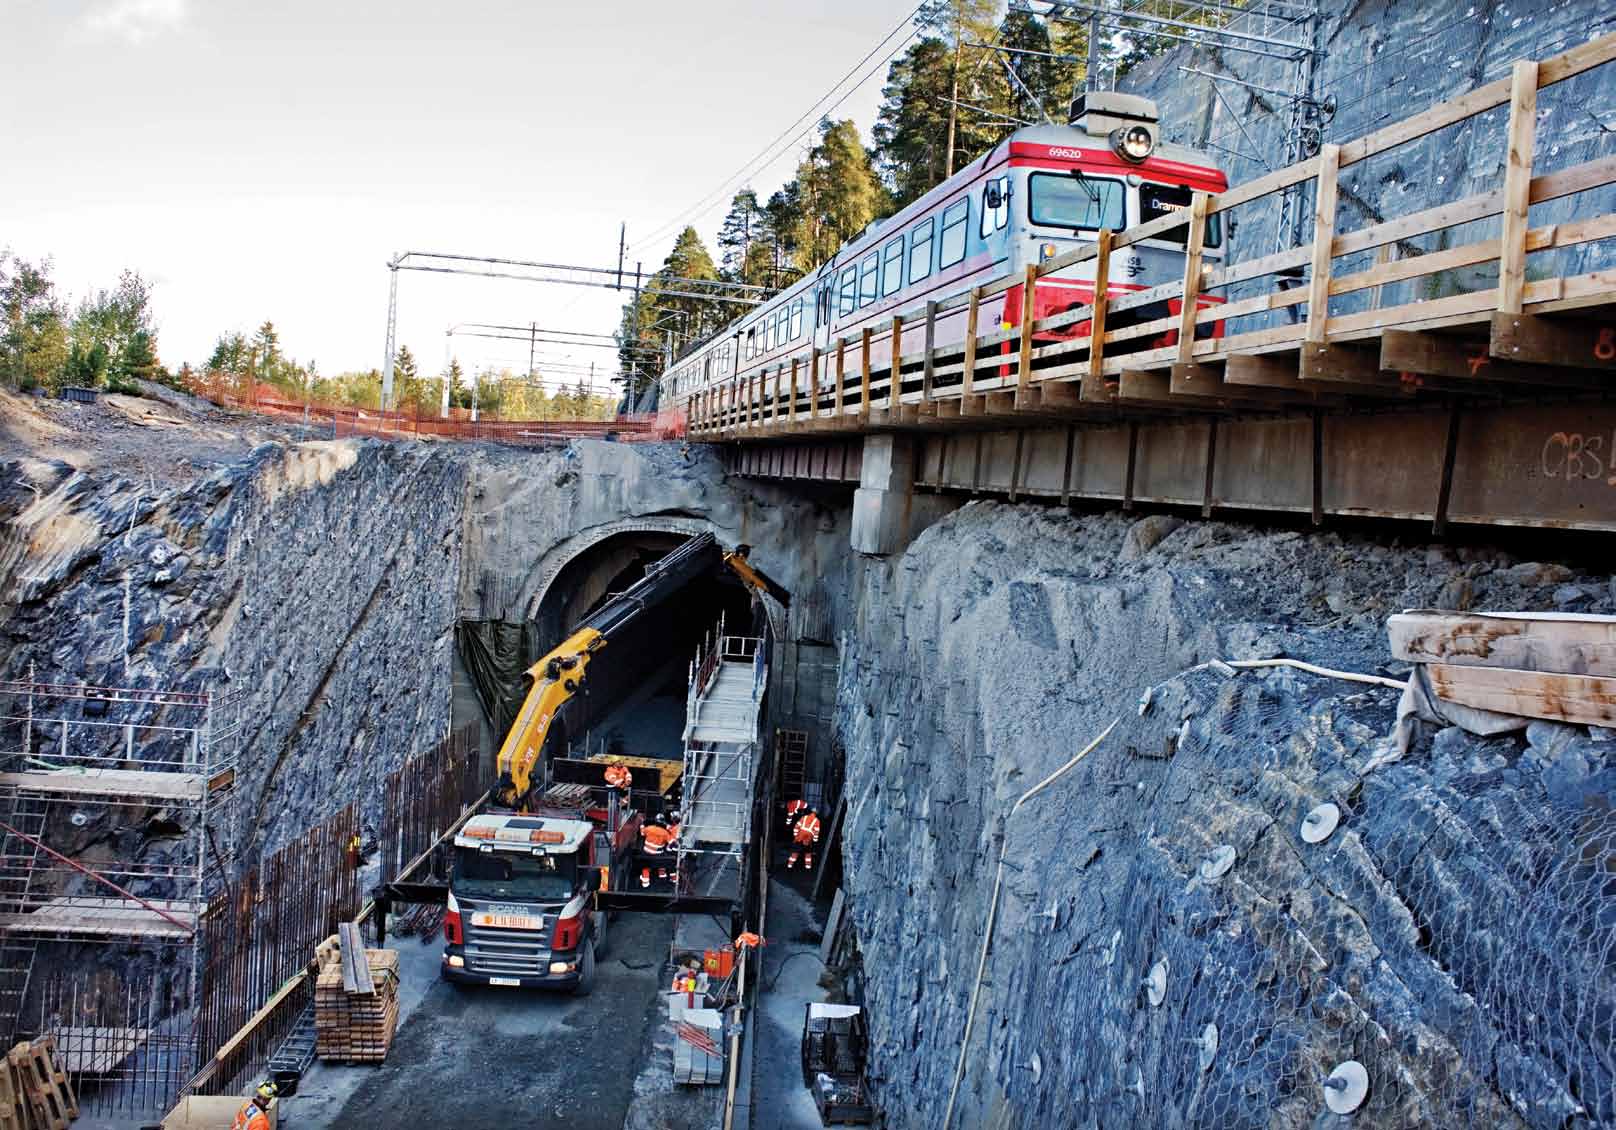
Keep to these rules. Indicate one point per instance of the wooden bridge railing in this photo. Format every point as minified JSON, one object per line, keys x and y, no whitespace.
{"x":1317,"y":358}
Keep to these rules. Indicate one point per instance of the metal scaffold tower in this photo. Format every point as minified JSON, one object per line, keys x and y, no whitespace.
{"x":723,"y":713}
{"x":108,"y":797}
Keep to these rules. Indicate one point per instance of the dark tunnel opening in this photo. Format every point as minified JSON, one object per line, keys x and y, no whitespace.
{"x":633,"y":701}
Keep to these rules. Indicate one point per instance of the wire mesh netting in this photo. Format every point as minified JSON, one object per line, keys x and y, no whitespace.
{"x":1455,"y":934}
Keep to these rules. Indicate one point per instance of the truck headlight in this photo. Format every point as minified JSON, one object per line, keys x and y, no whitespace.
{"x":456,"y":961}
{"x":560,"y":967}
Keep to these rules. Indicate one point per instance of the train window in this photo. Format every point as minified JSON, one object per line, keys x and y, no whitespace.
{"x":822,"y":305}
{"x":796,"y":319}
{"x":751,"y":343}
{"x":995,"y":205}
{"x":1160,"y":199}
{"x":1064,"y":200}
{"x":952,"y":243}
{"x":892,"y":267}
{"x":849,"y":297}
{"x":920,"y":250}
{"x":867,"y":278}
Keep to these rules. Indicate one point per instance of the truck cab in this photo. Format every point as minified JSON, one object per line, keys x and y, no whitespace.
{"x":521,"y":907}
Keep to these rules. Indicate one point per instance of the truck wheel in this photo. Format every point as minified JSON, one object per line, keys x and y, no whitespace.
{"x":586,"y":973}
{"x":600,"y":918}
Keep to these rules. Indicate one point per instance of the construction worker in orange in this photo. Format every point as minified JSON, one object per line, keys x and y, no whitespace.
{"x":804,"y":836}
{"x":657,"y":838}
{"x":252,"y":1116}
{"x":619,"y":778}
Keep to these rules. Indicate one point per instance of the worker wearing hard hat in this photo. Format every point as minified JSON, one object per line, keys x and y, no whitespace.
{"x":619,"y":778}
{"x":252,"y":1115}
{"x":804,"y":834}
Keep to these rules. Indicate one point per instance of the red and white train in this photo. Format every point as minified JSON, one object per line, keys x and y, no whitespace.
{"x":1040,"y":192}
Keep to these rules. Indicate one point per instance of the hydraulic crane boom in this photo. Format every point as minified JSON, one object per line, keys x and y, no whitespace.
{"x":558,"y":676}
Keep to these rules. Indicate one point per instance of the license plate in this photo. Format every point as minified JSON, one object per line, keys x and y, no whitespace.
{"x":503,"y":981}
{"x":506,"y":921}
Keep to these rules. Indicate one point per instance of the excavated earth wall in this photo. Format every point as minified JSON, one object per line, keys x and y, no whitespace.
{"x":1453,"y":935}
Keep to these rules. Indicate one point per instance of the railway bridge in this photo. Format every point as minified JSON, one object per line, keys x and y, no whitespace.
{"x":1452,"y":365}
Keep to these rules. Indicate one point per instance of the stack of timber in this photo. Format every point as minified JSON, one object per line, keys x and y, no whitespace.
{"x":1557,"y":666}
{"x":34,"y":1091}
{"x":355,"y":999}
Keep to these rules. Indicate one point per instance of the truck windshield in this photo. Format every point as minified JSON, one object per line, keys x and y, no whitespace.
{"x":1076,"y":201}
{"x":1160,"y":199}
{"x":507,"y":875}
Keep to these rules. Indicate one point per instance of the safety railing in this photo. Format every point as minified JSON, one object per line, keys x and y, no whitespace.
{"x":1083,"y":359}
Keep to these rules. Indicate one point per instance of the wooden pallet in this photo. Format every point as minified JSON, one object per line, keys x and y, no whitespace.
{"x":34,"y":1091}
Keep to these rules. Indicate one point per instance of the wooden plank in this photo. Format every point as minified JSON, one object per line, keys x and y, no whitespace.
{"x":895,"y":366}
{"x":1519,"y":140}
{"x":841,"y":351}
{"x":1588,"y":700}
{"x":1351,"y":364}
{"x":1467,"y":360}
{"x":1193,"y":250}
{"x":864,"y":375}
{"x":1281,"y":371}
{"x":1029,"y":305}
{"x":1576,"y":60}
{"x":971,"y":315}
{"x":1210,"y":380}
{"x":1094,"y":388}
{"x":1427,"y":121}
{"x":1580,"y":344}
{"x":1262,"y":186}
{"x":1318,"y":291}
{"x":928,"y":372}
{"x":1563,"y":643}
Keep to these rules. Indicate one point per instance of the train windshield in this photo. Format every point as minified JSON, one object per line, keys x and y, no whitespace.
{"x":1077,"y":201}
{"x":1160,"y":199}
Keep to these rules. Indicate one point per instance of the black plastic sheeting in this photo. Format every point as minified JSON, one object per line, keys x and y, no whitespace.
{"x":497,"y":654}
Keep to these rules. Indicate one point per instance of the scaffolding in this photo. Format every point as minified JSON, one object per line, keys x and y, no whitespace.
{"x":723,"y":710}
{"x":108,"y":801}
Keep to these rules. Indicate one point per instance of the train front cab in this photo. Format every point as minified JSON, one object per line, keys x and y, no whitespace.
{"x":1067,"y":195}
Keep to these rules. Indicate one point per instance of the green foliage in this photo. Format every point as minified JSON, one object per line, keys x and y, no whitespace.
{"x":911,"y":130}
{"x":839,"y":194}
{"x":34,"y":343}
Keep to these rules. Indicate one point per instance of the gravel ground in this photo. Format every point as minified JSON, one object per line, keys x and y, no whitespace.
{"x":165,"y":437}
{"x":467,"y":1058}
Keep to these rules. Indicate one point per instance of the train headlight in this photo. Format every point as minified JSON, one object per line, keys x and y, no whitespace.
{"x":1134,"y":143}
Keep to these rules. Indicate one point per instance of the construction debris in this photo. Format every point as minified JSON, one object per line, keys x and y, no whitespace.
{"x":355,"y":999}
{"x":34,"y":1091}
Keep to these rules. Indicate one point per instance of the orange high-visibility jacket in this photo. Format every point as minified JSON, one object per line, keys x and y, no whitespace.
{"x":807,"y":829}
{"x":657,"y":838}
{"x":618,"y":776}
{"x":250,"y":1117}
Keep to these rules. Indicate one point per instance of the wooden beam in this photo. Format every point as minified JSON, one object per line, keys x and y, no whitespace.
{"x":841,"y":351}
{"x":1462,"y":359}
{"x":1580,"y":344}
{"x":1588,"y":700}
{"x":969,"y":377}
{"x":1571,"y":643}
{"x":929,"y":369}
{"x":1519,"y":140}
{"x":864,"y":376}
{"x":1194,"y":246}
{"x":1318,"y":292}
{"x":1029,"y":291}
{"x":1095,"y":386}
{"x":1212,"y":380}
{"x":1351,"y":364}
{"x":895,"y":366}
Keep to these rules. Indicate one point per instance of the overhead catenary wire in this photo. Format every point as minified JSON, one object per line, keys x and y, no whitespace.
{"x":791,"y":134}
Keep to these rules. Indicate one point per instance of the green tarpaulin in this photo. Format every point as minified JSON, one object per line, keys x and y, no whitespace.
{"x":497,"y":654}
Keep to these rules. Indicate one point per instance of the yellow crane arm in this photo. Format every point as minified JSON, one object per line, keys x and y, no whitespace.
{"x":556,"y":678}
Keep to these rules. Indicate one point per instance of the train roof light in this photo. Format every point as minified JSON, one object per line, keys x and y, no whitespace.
{"x":1133,"y":143}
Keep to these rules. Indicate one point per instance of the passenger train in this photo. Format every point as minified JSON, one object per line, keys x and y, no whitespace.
{"x":1040,"y":192}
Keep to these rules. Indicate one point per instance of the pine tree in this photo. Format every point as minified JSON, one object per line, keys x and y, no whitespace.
{"x":744,"y":225}
{"x":404,"y":367}
{"x":229,"y":355}
{"x":1043,"y":80}
{"x":911,"y":129}
{"x":138,"y":360}
{"x":840,"y":193}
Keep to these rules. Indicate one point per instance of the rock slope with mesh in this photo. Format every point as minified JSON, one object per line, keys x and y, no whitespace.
{"x":1453,"y":935}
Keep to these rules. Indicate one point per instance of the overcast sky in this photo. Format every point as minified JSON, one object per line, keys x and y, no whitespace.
{"x":263,"y":160}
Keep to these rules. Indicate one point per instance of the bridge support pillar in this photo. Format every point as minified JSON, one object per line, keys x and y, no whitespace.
{"x":886,"y":512}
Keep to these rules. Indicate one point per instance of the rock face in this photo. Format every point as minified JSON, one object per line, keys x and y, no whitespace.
{"x":311,"y":585}
{"x":1452,"y":935}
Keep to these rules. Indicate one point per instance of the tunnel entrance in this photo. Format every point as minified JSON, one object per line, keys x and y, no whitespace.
{"x":633,"y":702}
